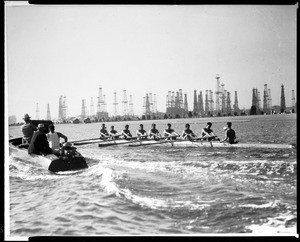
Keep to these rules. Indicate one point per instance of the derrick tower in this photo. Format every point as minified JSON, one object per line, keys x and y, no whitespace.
{"x":195,"y":110}
{"x":60,"y":108}
{"x":265,"y":100}
{"x":228,"y":103}
{"x":282,"y":100}
{"x":223,"y":97}
{"x":293,"y":99}
{"x":150,"y":103}
{"x":115,"y":104}
{"x":131,"y":112}
{"x":48,"y":112}
{"x":206,"y":103}
{"x":37,"y":111}
{"x":83,"y":109}
{"x":180,"y":98}
{"x":218,"y":94}
{"x":200,"y":104}
{"x":100,"y":104}
{"x":269,"y":99}
{"x":185,"y":103}
{"x":147,"y":105}
{"x":64,"y":107}
{"x":92,"y":111}
{"x":125,"y":103}
{"x":154,"y":104}
{"x":211,"y":101}
{"x":236,"y":104}
{"x":168,"y":103}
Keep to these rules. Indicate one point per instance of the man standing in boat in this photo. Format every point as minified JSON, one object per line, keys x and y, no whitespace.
{"x":141,"y":133}
{"x":169,"y":133}
{"x":229,"y":134}
{"x":53,"y":138}
{"x":114,"y":133}
{"x":188,"y":133}
{"x":153,"y":133}
{"x":207,"y":132}
{"x":103,"y":132}
{"x":27,"y":129}
{"x":126,"y":132}
{"x":39,"y":143}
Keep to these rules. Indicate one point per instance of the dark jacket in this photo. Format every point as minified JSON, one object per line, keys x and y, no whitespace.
{"x":39,"y":144}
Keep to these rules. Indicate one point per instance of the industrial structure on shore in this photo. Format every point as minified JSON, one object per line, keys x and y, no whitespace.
{"x":205,"y":104}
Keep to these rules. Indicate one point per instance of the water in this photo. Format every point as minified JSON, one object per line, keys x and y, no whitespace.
{"x":163,"y":190}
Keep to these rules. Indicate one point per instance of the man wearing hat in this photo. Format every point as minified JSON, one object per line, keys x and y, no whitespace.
{"x":28,"y":128}
{"x":39,"y":144}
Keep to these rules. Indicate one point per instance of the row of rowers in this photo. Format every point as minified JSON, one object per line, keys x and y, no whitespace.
{"x":168,"y":133}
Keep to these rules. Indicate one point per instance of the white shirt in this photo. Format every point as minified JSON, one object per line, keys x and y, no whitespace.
{"x":53,"y":140}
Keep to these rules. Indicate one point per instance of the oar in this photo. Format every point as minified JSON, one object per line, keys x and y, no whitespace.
{"x":114,"y":142}
{"x":89,"y":141}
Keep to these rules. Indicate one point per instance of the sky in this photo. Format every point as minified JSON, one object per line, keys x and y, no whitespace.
{"x":55,"y":50}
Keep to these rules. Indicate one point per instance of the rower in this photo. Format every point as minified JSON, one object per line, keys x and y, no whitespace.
{"x":27,"y":129}
{"x":141,"y":133}
{"x":188,"y":133}
{"x":126,"y":132}
{"x":229,"y":134}
{"x":207,"y":132}
{"x":153,"y":133}
{"x":103,"y":132}
{"x":114,"y":133}
{"x":170,"y":133}
{"x":53,"y":138}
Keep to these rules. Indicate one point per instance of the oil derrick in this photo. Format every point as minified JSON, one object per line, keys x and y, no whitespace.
{"x":186,"y":108}
{"x":125,"y":103}
{"x":115,"y":105}
{"x":195,"y":110}
{"x":228,"y":104}
{"x":64,"y":107}
{"x":48,"y":112}
{"x":173,"y":100}
{"x":282,"y":100}
{"x":200,"y":104}
{"x":37,"y":111}
{"x":254,"y":106}
{"x":60,"y":108}
{"x":150,"y":103}
{"x":265,"y":100}
{"x":218,"y":94}
{"x":104,"y":104}
{"x":83,"y":109}
{"x":211,"y":101}
{"x":131,"y":112}
{"x":223,"y":97}
{"x":92,"y":112}
{"x":180,"y":98}
{"x":154,"y":104}
{"x":236,"y":105}
{"x":206,"y":103}
{"x":258,"y":101}
{"x":269,"y":99}
{"x":293,"y":99}
{"x":100,"y":104}
{"x":147,"y":113}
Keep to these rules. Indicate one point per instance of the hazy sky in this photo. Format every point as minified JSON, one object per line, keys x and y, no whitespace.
{"x":72,"y":50}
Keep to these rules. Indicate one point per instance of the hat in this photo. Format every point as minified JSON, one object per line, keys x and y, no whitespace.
{"x":67,"y":144}
{"x":26,"y":116}
{"x":41,"y":126}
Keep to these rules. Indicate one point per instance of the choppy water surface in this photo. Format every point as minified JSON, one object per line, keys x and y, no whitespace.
{"x":163,"y":190}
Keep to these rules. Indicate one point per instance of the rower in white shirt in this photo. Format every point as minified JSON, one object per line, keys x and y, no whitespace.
{"x":54,"y":138}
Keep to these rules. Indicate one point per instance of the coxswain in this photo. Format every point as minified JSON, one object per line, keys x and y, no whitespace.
{"x":208,"y":133}
{"x":114,"y":133}
{"x":154,"y":133}
{"x":188,"y":133}
{"x":27,"y":129}
{"x":169,"y":133}
{"x":141,"y":133}
{"x":54,"y":138}
{"x":39,"y":144}
{"x":229,"y":134}
{"x":103,"y":132}
{"x":126,"y":132}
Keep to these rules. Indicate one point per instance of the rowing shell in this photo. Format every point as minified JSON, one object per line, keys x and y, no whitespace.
{"x":187,"y":143}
